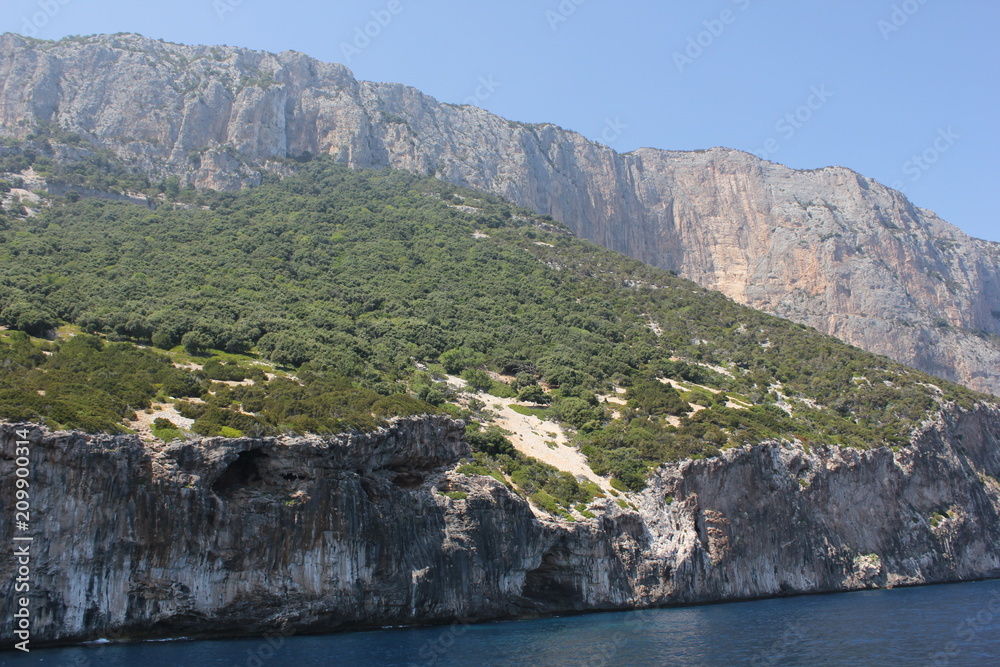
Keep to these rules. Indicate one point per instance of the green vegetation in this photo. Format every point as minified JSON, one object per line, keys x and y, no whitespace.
{"x":87,"y":384}
{"x":76,"y":162}
{"x":84,"y":384}
{"x":541,"y":413}
{"x":350,"y":279}
{"x":551,"y":489}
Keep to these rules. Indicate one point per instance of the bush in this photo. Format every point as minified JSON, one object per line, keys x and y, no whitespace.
{"x":163,"y":340}
{"x":533,"y":394}
{"x":655,"y":398}
{"x":546,"y":502}
{"x":162,"y":423}
{"x":523,"y":379}
{"x":477,"y":379}
{"x":501,"y":390}
{"x":30,"y":318}
{"x":180,"y":384}
{"x":492,"y":442}
{"x":216,"y":369}
{"x":458,"y":359}
{"x":168,"y":434}
{"x":575,"y":411}
{"x":195,"y":343}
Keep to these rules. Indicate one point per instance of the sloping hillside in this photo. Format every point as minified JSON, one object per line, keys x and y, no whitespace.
{"x":827,"y":248}
{"x":362,"y":290}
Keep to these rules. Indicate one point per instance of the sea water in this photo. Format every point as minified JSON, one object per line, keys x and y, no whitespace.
{"x":955,"y":624}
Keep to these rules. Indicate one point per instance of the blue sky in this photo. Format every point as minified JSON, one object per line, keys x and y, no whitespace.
{"x":903,"y":91}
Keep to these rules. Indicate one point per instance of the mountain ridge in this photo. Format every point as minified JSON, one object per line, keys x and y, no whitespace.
{"x":828,"y":247}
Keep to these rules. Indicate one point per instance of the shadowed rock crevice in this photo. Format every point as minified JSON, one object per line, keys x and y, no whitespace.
{"x":555,"y":583}
{"x":241,"y":473}
{"x":141,"y":542}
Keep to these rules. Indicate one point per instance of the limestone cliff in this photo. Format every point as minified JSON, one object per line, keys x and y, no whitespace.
{"x":245,"y":536}
{"x":827,"y":248}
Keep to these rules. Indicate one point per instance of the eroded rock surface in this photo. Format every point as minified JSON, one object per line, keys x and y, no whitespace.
{"x":246,"y":536}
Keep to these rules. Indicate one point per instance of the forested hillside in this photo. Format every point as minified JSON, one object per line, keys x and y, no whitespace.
{"x":828,"y":248}
{"x":358,"y":291}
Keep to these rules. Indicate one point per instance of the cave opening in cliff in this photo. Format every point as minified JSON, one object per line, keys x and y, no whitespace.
{"x":552,"y":582}
{"x":239,"y":474}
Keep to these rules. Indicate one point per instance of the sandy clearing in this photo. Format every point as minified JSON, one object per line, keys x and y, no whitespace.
{"x":614,"y":399}
{"x":530,"y":436}
{"x":191,"y":367}
{"x":680,"y":387}
{"x":235,"y":383}
{"x":143,"y":423}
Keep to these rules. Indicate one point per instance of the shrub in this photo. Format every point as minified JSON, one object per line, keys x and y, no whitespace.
{"x":492,"y":441}
{"x":195,"y":342}
{"x":161,"y":423}
{"x":546,"y":502}
{"x":501,"y":390}
{"x":575,"y":411}
{"x":533,"y":394}
{"x":524,"y":379}
{"x":477,"y":379}
{"x":655,"y":398}
{"x":163,"y":340}
{"x":180,"y":384}
{"x":458,"y":359}
{"x":168,"y":434}
{"x":28,"y":317}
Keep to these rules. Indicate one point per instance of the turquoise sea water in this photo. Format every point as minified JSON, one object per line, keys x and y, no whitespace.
{"x":935,"y":625}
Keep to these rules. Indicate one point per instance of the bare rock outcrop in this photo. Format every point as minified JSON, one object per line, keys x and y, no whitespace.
{"x":828,"y":248}
{"x":247,"y":536}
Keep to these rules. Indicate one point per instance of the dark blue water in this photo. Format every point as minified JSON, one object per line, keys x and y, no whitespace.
{"x":934,"y":625}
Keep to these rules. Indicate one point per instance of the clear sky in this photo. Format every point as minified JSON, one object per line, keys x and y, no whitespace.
{"x":903,"y":91}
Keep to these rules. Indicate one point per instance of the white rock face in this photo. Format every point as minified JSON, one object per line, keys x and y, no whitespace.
{"x":248,"y":536}
{"x":827,"y":248}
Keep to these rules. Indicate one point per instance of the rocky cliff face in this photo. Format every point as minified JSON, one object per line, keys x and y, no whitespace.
{"x":827,"y":248}
{"x":245,"y":536}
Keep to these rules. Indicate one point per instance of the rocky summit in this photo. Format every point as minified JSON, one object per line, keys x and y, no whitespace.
{"x":828,"y":248}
